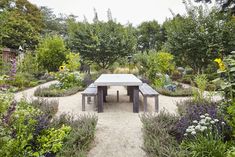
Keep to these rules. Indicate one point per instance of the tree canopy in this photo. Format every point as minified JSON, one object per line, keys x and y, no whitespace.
{"x":102,"y":42}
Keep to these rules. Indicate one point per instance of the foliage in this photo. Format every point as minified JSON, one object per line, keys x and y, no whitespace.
{"x":190,"y":37}
{"x":150,"y":36}
{"x":202,"y":146}
{"x":179,"y":92}
{"x":19,"y":134}
{"x":21,"y":23}
{"x":29,"y":65}
{"x":140,"y":59}
{"x":68,"y":79}
{"x":81,"y":135}
{"x":51,"y":53}
{"x":204,"y":139}
{"x":159,"y":62}
{"x":102,"y":42}
{"x":72,"y":61}
{"x":55,"y":91}
{"x":201,"y":82}
{"x":191,"y":110}
{"x":226,"y":5}
{"x":228,"y":76}
{"x":156,"y":133}
{"x":49,"y":108}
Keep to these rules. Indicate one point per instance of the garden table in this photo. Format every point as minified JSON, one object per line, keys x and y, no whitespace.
{"x":129,"y":80}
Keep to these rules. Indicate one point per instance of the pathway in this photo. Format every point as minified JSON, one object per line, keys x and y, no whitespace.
{"x":118,"y":129}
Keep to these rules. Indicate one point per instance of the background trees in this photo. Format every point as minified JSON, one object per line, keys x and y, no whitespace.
{"x":199,"y":37}
{"x":102,"y":42}
{"x":51,"y":53}
{"x":150,"y":36}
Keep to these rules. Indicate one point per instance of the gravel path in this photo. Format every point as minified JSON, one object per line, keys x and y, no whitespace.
{"x":119,"y":129}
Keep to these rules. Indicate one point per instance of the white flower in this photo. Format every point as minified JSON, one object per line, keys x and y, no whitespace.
{"x":193,"y":132}
{"x":202,"y":122}
{"x":208,"y":118}
{"x":195,"y":121}
{"x":212,"y":122}
{"x":185,"y":134}
{"x":203,"y":128}
{"x":223,"y":123}
{"x":191,"y":127}
{"x":207,"y":114}
{"x":216,"y":120}
{"x":198,"y":127}
{"x":202,"y":116}
{"x":188,"y":130}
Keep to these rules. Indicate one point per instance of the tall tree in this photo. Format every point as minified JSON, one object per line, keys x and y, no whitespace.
{"x":226,"y":5}
{"x":150,"y":36}
{"x":199,"y":37}
{"x":21,"y":23}
{"x":103,"y":42}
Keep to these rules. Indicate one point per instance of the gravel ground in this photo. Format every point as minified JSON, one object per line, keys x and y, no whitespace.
{"x":119,"y":129}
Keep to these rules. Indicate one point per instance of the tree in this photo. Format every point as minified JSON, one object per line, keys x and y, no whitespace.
{"x":20,"y":22}
{"x":16,"y":30}
{"x":199,"y":37}
{"x":159,"y":62}
{"x":102,"y":42}
{"x":226,"y":5}
{"x":51,"y":53}
{"x":150,"y":36}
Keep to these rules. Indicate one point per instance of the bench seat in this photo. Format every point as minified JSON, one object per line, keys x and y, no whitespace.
{"x":90,"y":91}
{"x":148,"y":91}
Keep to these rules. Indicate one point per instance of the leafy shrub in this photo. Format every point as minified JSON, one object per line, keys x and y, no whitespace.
{"x":25,"y":130}
{"x":201,"y":82}
{"x":30,"y":65}
{"x":157,"y":130}
{"x":177,"y":93}
{"x":72,"y":61}
{"x":47,"y":107}
{"x":51,"y":53}
{"x":202,"y":146}
{"x":202,"y":138}
{"x":187,"y":79}
{"x":81,"y":135}
{"x":159,"y":62}
{"x":191,"y":110}
{"x":68,"y":79}
{"x":53,"y":91}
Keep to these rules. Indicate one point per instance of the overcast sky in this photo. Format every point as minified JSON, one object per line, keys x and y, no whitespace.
{"x":124,"y":11}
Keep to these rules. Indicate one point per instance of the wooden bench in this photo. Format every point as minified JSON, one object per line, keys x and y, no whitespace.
{"x":148,"y":91}
{"x":90,"y":91}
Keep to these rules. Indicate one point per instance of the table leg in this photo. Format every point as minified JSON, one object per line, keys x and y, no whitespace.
{"x":128,"y":90}
{"x":136,"y":102}
{"x":100,"y":98}
{"x":105,"y":92}
{"x":131,"y":88}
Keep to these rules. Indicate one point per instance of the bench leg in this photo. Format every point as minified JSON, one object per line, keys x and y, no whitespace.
{"x":145,"y":104}
{"x":100,"y":99}
{"x":95,"y":100}
{"x":156,"y":104}
{"x":88,"y":99}
{"x":83,"y":102}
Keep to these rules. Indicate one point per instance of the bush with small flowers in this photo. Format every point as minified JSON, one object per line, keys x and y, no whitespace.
{"x":203,"y":138}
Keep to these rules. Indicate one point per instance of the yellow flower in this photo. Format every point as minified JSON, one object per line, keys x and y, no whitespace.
{"x":221,"y":66}
{"x":218,"y":60}
{"x":62,"y":68}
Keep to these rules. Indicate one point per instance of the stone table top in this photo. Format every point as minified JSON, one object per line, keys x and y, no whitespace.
{"x":118,"y":80}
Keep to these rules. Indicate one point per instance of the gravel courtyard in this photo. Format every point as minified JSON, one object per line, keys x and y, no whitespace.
{"x":119,"y":129}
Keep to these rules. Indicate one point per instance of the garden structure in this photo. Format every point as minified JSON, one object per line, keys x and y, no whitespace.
{"x":99,"y":88}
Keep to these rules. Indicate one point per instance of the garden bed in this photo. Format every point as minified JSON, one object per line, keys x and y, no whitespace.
{"x":53,"y":91}
{"x":38,"y":132}
{"x":179,"y":92}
